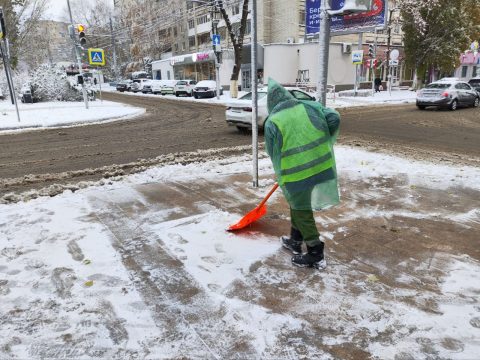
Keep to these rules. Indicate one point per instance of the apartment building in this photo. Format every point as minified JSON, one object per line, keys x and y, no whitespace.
{"x":280,"y":22}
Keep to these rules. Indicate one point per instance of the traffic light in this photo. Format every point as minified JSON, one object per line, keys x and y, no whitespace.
{"x":81,"y":35}
{"x":371,"y":51}
{"x":3,"y":29}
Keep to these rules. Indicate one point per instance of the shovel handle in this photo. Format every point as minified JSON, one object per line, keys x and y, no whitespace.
{"x":268,"y":195}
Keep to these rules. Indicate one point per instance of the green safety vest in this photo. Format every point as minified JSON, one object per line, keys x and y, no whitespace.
{"x":305,"y":150}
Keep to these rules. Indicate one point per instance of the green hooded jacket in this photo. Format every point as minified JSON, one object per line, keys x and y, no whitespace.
{"x":316,"y":188}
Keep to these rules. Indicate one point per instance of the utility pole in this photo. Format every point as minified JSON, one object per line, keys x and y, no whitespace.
{"x":115,"y":69}
{"x":196,"y":35}
{"x":254,"y":93}
{"x":213,"y":13}
{"x":323,"y":49}
{"x":389,"y":36}
{"x":77,"y":53}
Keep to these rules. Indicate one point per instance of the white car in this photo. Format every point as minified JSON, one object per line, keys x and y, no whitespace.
{"x":184,"y":87}
{"x":137,"y":84}
{"x":239,"y":113}
{"x":163,"y":86}
{"x":206,"y":88}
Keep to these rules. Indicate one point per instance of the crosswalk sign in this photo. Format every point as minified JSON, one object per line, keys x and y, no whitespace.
{"x":96,"y":57}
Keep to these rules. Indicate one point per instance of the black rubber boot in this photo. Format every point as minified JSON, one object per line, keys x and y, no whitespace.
{"x":294,"y":242}
{"x":313,"y":258}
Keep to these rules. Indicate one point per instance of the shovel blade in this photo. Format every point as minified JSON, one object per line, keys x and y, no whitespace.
{"x":249,"y":218}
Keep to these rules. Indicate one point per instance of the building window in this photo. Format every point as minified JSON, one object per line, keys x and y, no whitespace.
{"x":464,"y":71}
{"x":183,"y":46}
{"x":175,"y":31}
{"x":475,"y":72}
{"x":176,"y":47}
{"x":235,"y":9}
{"x":191,"y":24}
{"x":301,"y":19}
{"x":191,"y":41}
{"x":202,"y":19}
{"x":249,"y":27}
{"x":204,"y":38}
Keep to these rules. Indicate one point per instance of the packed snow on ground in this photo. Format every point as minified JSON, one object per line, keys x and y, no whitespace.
{"x":54,"y":114}
{"x":64,"y":290}
{"x":333,"y":100}
{"x":380,"y":98}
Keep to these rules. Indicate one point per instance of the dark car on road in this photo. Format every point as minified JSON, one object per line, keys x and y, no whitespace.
{"x":448,"y":93}
{"x":125,"y":85}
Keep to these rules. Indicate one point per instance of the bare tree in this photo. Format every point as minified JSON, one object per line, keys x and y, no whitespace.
{"x":237,"y":40}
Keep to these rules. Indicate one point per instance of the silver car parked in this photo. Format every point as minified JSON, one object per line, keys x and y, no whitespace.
{"x":448,"y":93}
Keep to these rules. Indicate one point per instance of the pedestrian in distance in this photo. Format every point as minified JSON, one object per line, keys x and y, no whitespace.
{"x":299,"y":138}
{"x":95,"y":81}
{"x":377,"y":84}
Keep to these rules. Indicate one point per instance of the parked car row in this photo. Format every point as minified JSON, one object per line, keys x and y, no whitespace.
{"x":202,"y":89}
{"x":449,"y":93}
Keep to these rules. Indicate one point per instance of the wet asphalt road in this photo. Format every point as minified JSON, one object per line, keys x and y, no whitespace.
{"x":171,"y":126}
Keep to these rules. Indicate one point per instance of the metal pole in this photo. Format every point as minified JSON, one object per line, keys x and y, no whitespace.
{"x":214,"y":32}
{"x":115,"y":70}
{"x":358,"y":67}
{"x":389,"y":33}
{"x":372,"y":66}
{"x":254,"y":93}
{"x":323,"y":49}
{"x":100,"y":77}
{"x":196,"y":36}
{"x":79,"y":59}
{"x":8,"y":74}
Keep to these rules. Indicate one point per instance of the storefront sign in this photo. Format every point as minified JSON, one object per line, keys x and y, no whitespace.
{"x":347,"y":24}
{"x":176,"y":60}
{"x":197,"y":57}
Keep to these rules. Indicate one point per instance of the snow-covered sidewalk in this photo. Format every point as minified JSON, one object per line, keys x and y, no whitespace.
{"x":57,"y":114}
{"x":380,"y":98}
{"x":143,"y":267}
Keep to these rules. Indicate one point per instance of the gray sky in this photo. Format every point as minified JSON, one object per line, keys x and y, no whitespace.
{"x":56,"y":8}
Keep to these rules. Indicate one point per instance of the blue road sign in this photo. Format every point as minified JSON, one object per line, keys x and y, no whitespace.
{"x":96,"y":57}
{"x":216,"y":39}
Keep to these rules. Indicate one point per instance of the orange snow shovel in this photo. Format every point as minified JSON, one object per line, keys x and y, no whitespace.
{"x":255,"y":214}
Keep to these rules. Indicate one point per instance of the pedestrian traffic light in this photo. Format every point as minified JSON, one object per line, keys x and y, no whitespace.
{"x":81,"y":34}
{"x":371,"y":51}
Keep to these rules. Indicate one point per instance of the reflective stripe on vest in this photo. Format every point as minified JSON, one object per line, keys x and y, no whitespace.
{"x":306,"y":149}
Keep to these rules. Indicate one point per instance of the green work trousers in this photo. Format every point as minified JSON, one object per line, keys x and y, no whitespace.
{"x":303,"y":221}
